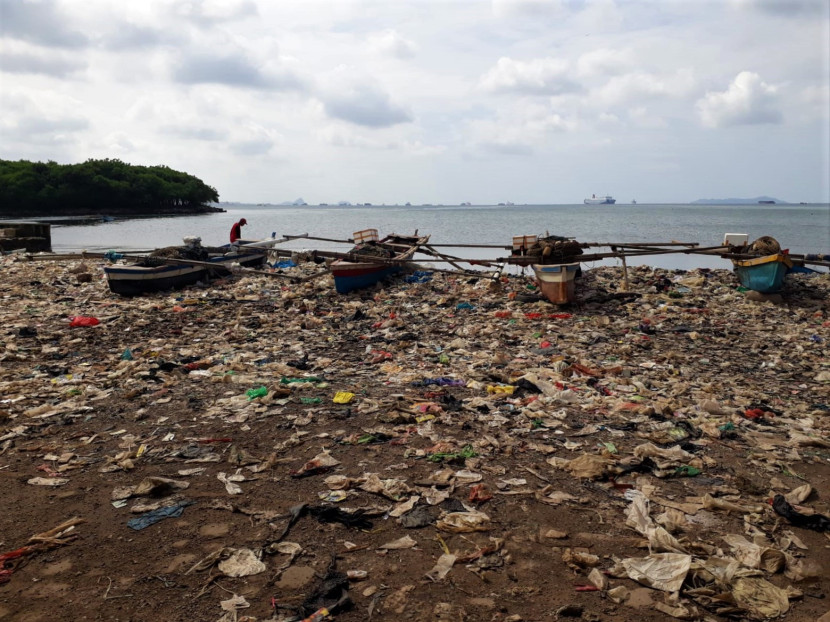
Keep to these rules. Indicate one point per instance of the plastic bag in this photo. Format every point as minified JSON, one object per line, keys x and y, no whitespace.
{"x":242,"y":563}
{"x":82,"y":320}
{"x":255,"y":393}
{"x":343,"y":397}
{"x":661,"y":571}
{"x":817,"y":522}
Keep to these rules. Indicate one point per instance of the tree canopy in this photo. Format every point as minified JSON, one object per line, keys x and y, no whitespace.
{"x":99,"y":187}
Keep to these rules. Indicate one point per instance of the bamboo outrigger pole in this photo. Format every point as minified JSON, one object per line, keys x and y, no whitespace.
{"x":624,"y":267}
{"x":528,"y":259}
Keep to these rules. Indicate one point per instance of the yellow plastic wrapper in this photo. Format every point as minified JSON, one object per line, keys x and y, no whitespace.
{"x":506,"y":389}
{"x":343,"y":397}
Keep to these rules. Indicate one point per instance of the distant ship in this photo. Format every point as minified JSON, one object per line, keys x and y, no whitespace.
{"x":595,"y":200}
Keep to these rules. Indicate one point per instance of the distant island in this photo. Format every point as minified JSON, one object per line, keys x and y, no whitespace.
{"x":102,"y":187}
{"x":756,"y":201}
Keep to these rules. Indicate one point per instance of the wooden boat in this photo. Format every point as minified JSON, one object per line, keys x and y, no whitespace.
{"x":763,"y":274}
{"x":557,"y":281}
{"x":170,"y":273}
{"x":383,"y":258}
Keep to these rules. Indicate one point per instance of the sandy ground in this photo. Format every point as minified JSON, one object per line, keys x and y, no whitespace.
{"x":500,"y":458}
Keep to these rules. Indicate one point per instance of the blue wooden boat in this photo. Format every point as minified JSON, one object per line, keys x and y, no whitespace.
{"x":387,"y":258}
{"x":763,"y":274}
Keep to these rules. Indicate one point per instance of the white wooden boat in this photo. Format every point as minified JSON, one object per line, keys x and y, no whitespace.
{"x":161,"y":274}
{"x":557,"y":282}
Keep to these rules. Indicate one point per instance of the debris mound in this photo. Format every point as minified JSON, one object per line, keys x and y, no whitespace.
{"x":765,"y":245}
{"x":554,"y":249}
{"x":372,"y":249}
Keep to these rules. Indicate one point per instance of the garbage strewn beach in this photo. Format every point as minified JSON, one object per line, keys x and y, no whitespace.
{"x":441,"y":448}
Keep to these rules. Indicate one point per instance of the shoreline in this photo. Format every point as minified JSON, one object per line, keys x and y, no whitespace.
{"x":81,"y":215}
{"x":647,"y":390}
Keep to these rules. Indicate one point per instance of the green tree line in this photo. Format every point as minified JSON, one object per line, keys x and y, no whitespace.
{"x":99,"y":187}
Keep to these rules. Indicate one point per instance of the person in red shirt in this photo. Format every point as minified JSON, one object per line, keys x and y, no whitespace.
{"x":236,"y":230}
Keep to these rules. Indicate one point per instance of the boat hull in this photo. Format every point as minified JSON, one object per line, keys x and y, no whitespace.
{"x":557,"y":282}
{"x":600,"y":201}
{"x":352,"y":275}
{"x":136,"y":280}
{"x":360,"y":276}
{"x":763,"y":274}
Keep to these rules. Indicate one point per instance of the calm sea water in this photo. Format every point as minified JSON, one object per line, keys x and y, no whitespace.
{"x":801,"y":228}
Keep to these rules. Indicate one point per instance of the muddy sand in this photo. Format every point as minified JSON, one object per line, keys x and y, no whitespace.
{"x":442,"y":450}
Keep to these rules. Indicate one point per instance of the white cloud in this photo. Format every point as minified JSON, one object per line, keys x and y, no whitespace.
{"x":126,"y":36}
{"x":610,"y":119}
{"x":532,"y":9}
{"x":17,"y":58}
{"x":344,"y":136}
{"x":604,"y":62}
{"x":40,"y":116}
{"x":787,"y":8}
{"x":542,"y":76}
{"x":195,"y":132}
{"x":356,"y":138}
{"x":360,"y":100}
{"x":747,"y":101}
{"x":390,"y":43}
{"x":210,"y":12}
{"x":253,"y":140}
{"x":417,"y":148}
{"x":117,"y":143}
{"x":817,"y":98}
{"x":43,"y":23}
{"x":641,"y":116}
{"x":642,"y":85}
{"x":232,"y":69}
{"x":366,"y":105}
{"x":520,"y":128}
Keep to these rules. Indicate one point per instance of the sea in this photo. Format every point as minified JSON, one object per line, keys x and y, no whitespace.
{"x":803,"y":228}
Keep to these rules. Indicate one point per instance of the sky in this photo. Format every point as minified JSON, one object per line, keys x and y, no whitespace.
{"x":430,"y":101}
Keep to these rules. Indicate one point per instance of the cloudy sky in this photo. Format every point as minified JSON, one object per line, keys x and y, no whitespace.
{"x":430,"y":101}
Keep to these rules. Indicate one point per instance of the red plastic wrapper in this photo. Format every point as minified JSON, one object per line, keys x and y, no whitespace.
{"x":479,"y":494}
{"x":6,"y":573}
{"x":757,"y":413}
{"x":82,"y":320}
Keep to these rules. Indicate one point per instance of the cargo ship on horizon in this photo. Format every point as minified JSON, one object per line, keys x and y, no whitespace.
{"x":595,"y":200}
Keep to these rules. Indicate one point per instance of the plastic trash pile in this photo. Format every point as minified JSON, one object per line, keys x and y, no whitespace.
{"x":442,"y":448}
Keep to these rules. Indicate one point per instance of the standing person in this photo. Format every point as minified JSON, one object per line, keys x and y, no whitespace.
{"x":236,"y":230}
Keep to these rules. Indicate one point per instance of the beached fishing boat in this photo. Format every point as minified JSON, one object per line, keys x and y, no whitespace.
{"x":557,"y":282}
{"x":763,"y":274}
{"x":382,"y":258}
{"x":154,"y":274}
